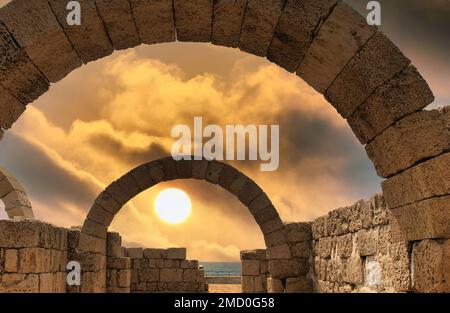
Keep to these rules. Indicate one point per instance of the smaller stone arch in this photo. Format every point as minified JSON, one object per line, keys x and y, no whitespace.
{"x":143,"y":177}
{"x":14,"y":196}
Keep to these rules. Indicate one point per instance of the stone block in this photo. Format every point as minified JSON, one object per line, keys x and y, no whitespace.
{"x":214,"y":171}
{"x":248,"y":284}
{"x":238,"y":183}
{"x":272,"y":226}
{"x":155,"y":253}
{"x":25,"y":233}
{"x":89,"y":39}
{"x":123,"y":278}
{"x":377,"y":62}
{"x":405,"y":93}
{"x":259,"y":203}
{"x":263,"y":267}
{"x":259,"y":254}
{"x":156,"y":170}
{"x":149,"y":275}
{"x":135,"y":253}
{"x":250,"y":267}
{"x":100,"y":215}
{"x":171,"y":263}
{"x":93,"y":282}
{"x":34,"y":260}
{"x":367,"y":242}
{"x":344,"y":245}
{"x":90,"y":261}
{"x":275,"y":285}
{"x":107,"y":201}
{"x":417,"y":137}
{"x":88,"y":243}
{"x":193,"y":20}
{"x":46,"y":281}
{"x":37,"y":31}
{"x":299,"y":285}
{"x":171,"y":275}
{"x":319,"y":227}
{"x":119,"y":23}
{"x":176,"y":253}
{"x":298,"y":232}
{"x":184,"y":168}
{"x":190,"y":275}
{"x":249,"y":192}
{"x":275,"y":238}
{"x":295,"y":31}
{"x":260,"y":283}
{"x":431,"y":268}
{"x":11,"y":261}
{"x":129,"y":185}
{"x":199,"y":168}
{"x":192,"y":264}
{"x":94,"y":229}
{"x":118,"y":263}
{"x":279,"y":252}
{"x":260,"y":21}
{"x":288,"y":268}
{"x":339,"y":38}
{"x":424,"y":219}
{"x":16,"y":199}
{"x":301,"y":249}
{"x":114,"y":245}
{"x":323,"y":247}
{"x":353,"y":271}
{"x":266,"y":215}
{"x":118,"y":196}
{"x":154,"y":20}
{"x":425,"y":180}
{"x":20,"y":283}
{"x":228,"y":18}
{"x":18,"y":74}
{"x":320,"y":268}
{"x":170,"y":168}
{"x":142,"y":177}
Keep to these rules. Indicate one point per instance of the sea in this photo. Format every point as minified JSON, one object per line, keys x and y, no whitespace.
{"x":221,"y":268}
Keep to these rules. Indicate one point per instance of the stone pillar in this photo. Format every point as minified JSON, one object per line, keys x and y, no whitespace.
{"x":254,"y":271}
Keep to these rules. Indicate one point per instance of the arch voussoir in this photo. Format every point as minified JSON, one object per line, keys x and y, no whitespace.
{"x":10,"y":109}
{"x":193,"y":20}
{"x":377,"y":62}
{"x":339,"y":38}
{"x":90,"y":40}
{"x":214,"y":171}
{"x":406,"y":93}
{"x":295,"y":31}
{"x":118,"y":19}
{"x":154,"y":20}
{"x":228,"y":17}
{"x":37,"y":31}
{"x":14,"y":196}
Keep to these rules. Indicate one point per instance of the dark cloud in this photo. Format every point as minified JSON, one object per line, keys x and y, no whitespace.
{"x":44,"y":179}
{"x":113,"y":147}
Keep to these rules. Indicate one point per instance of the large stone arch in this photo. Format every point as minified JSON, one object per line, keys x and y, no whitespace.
{"x":14,"y":196}
{"x":359,"y":70}
{"x":118,"y":193}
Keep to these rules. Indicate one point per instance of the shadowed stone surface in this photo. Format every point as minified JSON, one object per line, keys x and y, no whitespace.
{"x":37,"y":31}
{"x":425,"y":180}
{"x":14,"y":196}
{"x":193,"y":20}
{"x":378,"y":61}
{"x":406,"y":93}
{"x":227,"y":22}
{"x":419,"y":136}
{"x":297,"y":25}
{"x":89,"y":39}
{"x":119,"y":22}
{"x":340,"y":37}
{"x":10,"y":108}
{"x":260,"y":21}
{"x":17,"y":73}
{"x":154,"y":20}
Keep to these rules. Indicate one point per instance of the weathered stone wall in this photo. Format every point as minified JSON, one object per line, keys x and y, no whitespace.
{"x":361,"y":248}
{"x":254,"y":271}
{"x":33,"y":257}
{"x":164,"y":270}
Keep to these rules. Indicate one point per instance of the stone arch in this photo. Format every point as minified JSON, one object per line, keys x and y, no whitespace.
{"x":111,"y":200}
{"x":358,"y":69}
{"x":14,"y":196}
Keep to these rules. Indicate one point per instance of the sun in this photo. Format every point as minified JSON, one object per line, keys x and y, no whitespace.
{"x":173,"y":206}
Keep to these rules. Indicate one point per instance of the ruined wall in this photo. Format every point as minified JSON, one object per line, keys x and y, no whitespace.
{"x":360,"y":248}
{"x":164,"y":270}
{"x":254,"y":271}
{"x":33,"y":257}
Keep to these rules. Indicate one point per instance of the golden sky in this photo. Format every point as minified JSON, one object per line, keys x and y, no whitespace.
{"x":116,"y":113}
